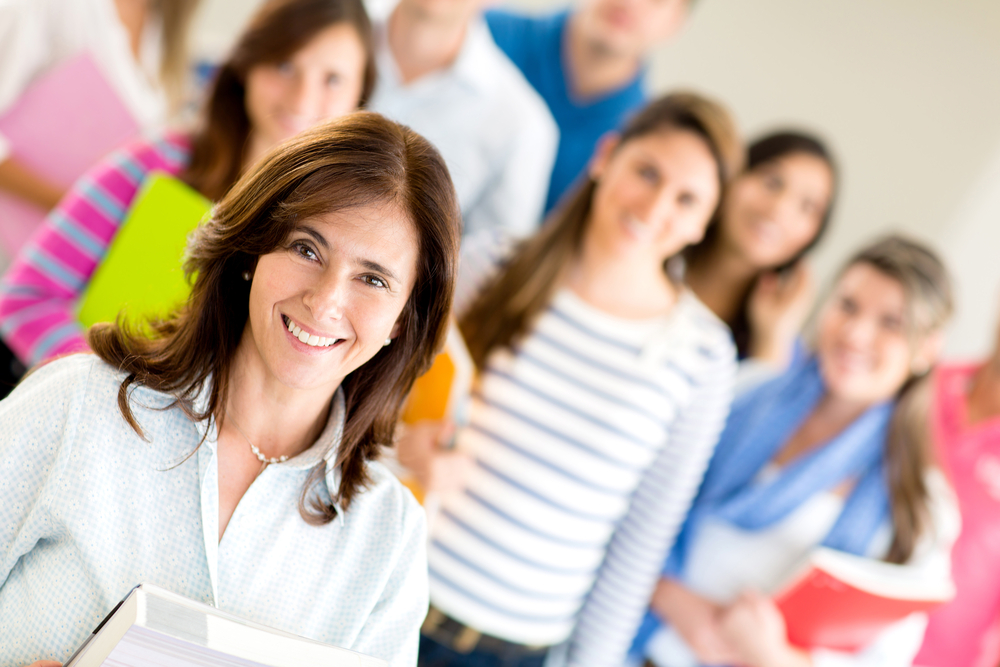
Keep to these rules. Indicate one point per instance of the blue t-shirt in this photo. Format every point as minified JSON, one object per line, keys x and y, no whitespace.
{"x":535,"y":45}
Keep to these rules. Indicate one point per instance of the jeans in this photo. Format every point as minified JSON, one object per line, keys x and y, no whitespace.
{"x":433,"y":654}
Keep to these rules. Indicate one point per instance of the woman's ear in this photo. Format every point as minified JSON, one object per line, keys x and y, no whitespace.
{"x":602,"y":154}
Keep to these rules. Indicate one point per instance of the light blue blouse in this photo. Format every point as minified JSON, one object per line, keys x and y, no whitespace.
{"x":89,"y":509}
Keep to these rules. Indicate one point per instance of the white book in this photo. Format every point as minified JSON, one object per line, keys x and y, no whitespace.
{"x":153,"y":627}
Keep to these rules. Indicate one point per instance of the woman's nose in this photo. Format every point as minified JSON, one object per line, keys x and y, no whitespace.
{"x":327,"y":298}
{"x":302,"y":99}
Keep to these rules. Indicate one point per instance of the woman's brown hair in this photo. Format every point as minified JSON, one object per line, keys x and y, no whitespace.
{"x":276,"y":32}
{"x":929,"y":304}
{"x":360,"y":160}
{"x":507,"y":305}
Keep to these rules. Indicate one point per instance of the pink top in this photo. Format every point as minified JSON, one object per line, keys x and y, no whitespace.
{"x":38,"y":295}
{"x":963,"y":633}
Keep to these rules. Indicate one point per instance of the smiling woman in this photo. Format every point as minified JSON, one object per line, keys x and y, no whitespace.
{"x":242,"y":472}
{"x":832,"y":453}
{"x":603,"y":384}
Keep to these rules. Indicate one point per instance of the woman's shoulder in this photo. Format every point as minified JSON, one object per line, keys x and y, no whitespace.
{"x":72,"y":373}
{"x":63,"y":390}
{"x":168,"y":150}
{"x":81,"y":375}
{"x":696,"y":331}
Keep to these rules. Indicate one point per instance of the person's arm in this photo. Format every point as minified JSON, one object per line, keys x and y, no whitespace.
{"x":392,"y":631}
{"x":754,"y":627}
{"x":514,"y":201}
{"x":696,"y":619}
{"x":24,"y":183}
{"x":35,"y":437}
{"x":614,"y":610}
{"x":39,"y":292}
{"x":778,"y":307}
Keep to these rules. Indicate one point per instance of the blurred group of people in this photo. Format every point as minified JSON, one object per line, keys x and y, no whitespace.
{"x":659,"y":433}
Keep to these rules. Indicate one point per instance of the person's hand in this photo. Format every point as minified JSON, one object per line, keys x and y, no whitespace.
{"x":696,"y":620}
{"x":754,"y":627}
{"x":776,"y":311}
{"x":45,"y":663}
{"x":421,"y":448}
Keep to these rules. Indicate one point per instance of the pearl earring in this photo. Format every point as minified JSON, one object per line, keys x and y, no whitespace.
{"x":387,"y":341}
{"x":247,"y":275}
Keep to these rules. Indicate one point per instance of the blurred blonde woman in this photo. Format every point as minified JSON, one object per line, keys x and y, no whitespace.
{"x":835,"y":453}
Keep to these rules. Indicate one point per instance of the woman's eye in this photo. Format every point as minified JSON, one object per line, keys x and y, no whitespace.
{"x":375,"y":281}
{"x":304,"y":250}
{"x":773,"y":182}
{"x":285,"y":67}
{"x":333,"y":79}
{"x":892,"y":323}
{"x":848,"y":305}
{"x":649,"y":174}
{"x":687,"y":199}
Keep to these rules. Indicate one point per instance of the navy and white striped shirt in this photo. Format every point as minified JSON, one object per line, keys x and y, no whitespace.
{"x":590,"y":440}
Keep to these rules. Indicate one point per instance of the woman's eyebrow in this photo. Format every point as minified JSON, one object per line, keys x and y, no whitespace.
{"x":378,"y":268}
{"x":369,"y":264}
{"x":320,"y":239}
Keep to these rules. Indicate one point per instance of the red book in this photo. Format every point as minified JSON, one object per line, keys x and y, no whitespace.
{"x":841,"y":601}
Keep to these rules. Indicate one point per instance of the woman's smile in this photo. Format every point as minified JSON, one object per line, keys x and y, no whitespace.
{"x":307,"y":337}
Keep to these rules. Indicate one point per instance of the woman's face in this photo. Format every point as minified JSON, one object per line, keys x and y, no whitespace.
{"x":322,"y":80}
{"x":654,"y":194}
{"x":325,"y":302}
{"x":773,"y":211}
{"x":864,"y":352}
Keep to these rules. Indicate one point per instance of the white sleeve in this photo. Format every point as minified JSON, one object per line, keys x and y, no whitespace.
{"x":482,"y":256}
{"x":514,"y":200}
{"x":615,"y":607}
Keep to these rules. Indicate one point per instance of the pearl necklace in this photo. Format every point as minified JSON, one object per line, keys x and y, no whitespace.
{"x":253,"y":447}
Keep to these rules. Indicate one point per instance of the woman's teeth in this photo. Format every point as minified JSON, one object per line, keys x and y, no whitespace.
{"x":313,"y":341}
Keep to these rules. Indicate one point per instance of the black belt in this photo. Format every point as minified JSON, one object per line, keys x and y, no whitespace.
{"x":462,"y":639}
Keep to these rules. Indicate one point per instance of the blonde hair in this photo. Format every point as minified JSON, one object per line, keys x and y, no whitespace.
{"x":175,"y":16}
{"x":507,"y":306}
{"x":929,"y":304}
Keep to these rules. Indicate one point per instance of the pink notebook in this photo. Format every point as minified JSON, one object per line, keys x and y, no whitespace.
{"x":62,"y":124}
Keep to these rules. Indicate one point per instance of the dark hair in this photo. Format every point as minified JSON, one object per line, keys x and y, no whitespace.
{"x":780,"y":144}
{"x":359,"y":160}
{"x":508,"y":304}
{"x":276,"y":31}
{"x":929,"y":304}
{"x":763,"y":151}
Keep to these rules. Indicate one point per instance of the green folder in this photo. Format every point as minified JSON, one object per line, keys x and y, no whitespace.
{"x":142,"y":274}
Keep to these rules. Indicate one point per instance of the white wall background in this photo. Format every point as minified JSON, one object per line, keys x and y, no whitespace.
{"x":906,"y":91}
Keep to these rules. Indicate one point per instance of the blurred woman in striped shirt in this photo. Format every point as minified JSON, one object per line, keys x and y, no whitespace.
{"x":603,"y":386}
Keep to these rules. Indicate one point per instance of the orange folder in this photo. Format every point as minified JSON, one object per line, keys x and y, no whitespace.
{"x":441,"y":393}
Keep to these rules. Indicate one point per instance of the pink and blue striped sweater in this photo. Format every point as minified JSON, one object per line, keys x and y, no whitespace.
{"x":38,"y":295}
